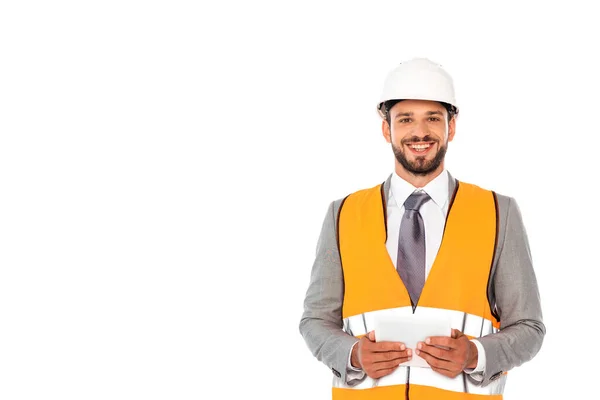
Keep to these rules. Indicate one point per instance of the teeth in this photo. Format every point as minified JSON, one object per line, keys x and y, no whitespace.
{"x":420,"y":146}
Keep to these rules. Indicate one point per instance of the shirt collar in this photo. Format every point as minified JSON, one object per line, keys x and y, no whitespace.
{"x":438,"y":189}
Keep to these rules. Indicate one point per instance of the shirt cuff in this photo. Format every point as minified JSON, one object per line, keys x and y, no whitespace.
{"x":478,"y":372}
{"x":349,"y":366}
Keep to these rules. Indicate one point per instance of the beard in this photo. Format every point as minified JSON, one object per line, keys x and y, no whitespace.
{"x":420,"y":166}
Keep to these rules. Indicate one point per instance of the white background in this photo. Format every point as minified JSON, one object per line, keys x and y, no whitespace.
{"x":165,"y":168}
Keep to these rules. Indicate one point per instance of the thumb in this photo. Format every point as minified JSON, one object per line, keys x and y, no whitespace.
{"x":371,"y":336}
{"x":456,"y":334}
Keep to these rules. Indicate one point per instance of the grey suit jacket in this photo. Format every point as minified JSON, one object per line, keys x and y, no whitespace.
{"x":512,"y":292}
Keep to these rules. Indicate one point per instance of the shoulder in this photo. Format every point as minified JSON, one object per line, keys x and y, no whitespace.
{"x":505,"y":203}
{"x":335,"y":206}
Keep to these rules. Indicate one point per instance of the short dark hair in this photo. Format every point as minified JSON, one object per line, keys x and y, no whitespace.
{"x":387,"y":106}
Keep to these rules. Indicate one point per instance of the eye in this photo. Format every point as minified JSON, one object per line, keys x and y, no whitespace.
{"x":404,"y":120}
{"x":434,"y":119}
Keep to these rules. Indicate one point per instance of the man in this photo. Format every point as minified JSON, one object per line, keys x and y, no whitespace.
{"x":422,"y":244}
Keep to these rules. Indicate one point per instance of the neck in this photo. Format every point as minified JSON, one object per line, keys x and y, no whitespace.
{"x":418,"y":181}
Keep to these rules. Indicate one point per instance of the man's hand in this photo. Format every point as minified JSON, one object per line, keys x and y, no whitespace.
{"x":456,"y":353}
{"x":378,"y":359}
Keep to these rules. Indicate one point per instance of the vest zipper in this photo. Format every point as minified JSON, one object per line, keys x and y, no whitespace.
{"x":407,"y":382}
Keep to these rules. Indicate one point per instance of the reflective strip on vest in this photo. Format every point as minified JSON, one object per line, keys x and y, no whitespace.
{"x":471,"y":325}
{"x":426,"y":377}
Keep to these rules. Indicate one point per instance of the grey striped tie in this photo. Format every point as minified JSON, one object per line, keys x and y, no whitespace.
{"x":411,"y":246}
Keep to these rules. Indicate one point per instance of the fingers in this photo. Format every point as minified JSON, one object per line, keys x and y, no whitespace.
{"x":433,"y":351}
{"x":397,"y":357}
{"x":392,"y":356}
{"x":446,"y":341}
{"x":377,"y":365}
{"x":435,"y":362}
{"x":378,"y":347}
{"x":384,"y":347}
{"x":383,"y":365}
{"x":443,"y":341}
{"x":448,"y":362}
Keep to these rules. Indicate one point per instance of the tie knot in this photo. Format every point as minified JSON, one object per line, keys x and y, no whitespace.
{"x":416,"y":200}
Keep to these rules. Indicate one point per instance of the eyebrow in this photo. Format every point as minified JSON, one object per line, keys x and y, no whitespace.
{"x":434,"y":113}
{"x":410,"y":114}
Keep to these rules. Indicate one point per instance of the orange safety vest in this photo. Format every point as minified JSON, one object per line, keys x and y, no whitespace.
{"x":456,"y":288}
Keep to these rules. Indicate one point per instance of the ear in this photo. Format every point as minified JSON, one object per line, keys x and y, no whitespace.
{"x":451,"y":128}
{"x":385,"y":129}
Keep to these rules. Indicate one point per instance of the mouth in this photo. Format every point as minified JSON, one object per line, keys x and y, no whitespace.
{"x":420,"y":148}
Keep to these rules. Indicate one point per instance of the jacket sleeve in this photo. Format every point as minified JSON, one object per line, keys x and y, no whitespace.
{"x":517,"y":299}
{"x":321,"y":323}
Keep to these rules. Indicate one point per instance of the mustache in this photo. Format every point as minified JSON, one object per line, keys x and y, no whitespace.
{"x":416,"y":139}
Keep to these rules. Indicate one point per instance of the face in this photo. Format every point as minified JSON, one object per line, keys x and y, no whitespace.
{"x":419,"y":133}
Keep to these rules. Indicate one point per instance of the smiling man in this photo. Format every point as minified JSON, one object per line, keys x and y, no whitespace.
{"x":422,"y":244}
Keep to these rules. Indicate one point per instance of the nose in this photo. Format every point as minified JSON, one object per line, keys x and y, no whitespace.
{"x":421,"y":130}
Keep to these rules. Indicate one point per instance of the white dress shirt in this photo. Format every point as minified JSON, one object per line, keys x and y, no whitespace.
{"x":434,"y":214}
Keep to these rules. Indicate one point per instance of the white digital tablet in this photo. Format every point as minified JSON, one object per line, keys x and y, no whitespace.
{"x":410,"y":330}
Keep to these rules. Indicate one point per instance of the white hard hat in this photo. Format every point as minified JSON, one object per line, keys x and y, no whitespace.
{"x":417,"y":79}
